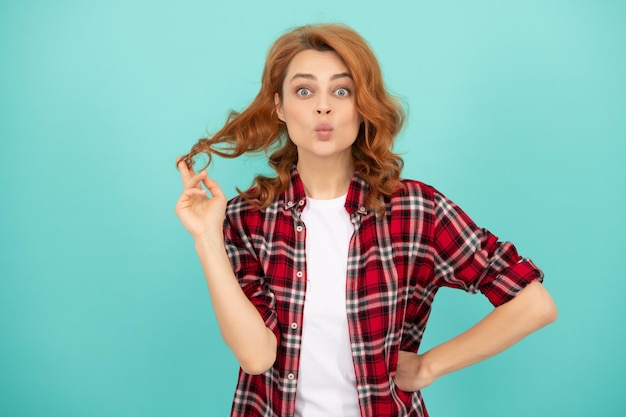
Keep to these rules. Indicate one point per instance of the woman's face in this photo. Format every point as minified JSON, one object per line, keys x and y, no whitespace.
{"x":318,"y":106}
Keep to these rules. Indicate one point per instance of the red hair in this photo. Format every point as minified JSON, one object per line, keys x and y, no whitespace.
{"x":258,"y":128}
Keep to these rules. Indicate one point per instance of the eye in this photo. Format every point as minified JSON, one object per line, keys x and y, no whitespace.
{"x":342,"y":92}
{"x":303,"y":92}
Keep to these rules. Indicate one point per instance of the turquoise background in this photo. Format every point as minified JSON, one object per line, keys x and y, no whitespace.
{"x":516,"y":112}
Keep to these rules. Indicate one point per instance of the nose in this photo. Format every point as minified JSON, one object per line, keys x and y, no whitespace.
{"x":323,"y":107}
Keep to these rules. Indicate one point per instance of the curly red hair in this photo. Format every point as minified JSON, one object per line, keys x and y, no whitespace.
{"x":258,"y":128}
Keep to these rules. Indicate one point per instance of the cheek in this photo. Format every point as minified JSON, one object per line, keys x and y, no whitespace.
{"x":355,"y":117}
{"x":295,"y":113}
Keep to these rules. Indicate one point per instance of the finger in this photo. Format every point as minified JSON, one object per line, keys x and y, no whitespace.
{"x":192,"y":192}
{"x":194,"y":181}
{"x":185,"y":172}
{"x":213,"y":187}
{"x":187,"y":196}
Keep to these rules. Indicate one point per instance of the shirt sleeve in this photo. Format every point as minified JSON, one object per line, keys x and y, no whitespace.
{"x":472,"y":259}
{"x":250,"y":274}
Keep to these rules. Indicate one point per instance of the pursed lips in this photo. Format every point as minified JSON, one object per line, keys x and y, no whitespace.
{"x":323,"y":130}
{"x":323,"y":127}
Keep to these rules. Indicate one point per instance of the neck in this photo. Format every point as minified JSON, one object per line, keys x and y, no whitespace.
{"x":325,"y":179}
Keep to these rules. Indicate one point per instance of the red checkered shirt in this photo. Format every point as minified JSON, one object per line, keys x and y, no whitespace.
{"x":395,"y":266}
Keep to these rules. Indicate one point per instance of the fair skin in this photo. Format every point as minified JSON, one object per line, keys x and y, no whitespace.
{"x":241,"y":325}
{"x":531,"y":309}
{"x":319,"y":110}
{"x":322,"y":120}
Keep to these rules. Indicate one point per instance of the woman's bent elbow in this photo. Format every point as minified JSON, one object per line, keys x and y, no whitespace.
{"x":550,"y":312}
{"x":257,"y":364}
{"x":537,"y":305}
{"x":261,"y":357}
{"x":545,"y":307}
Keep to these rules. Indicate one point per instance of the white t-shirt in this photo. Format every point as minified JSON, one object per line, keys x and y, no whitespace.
{"x":326,"y":381}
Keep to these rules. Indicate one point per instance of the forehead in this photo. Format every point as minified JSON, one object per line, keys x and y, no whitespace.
{"x":320,"y":64}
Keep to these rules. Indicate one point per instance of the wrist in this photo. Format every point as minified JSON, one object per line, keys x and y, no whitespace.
{"x":213,"y":239}
{"x":428,"y":367}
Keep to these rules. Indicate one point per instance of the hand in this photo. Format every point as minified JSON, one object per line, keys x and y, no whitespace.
{"x":412,"y":374}
{"x":198,"y":213}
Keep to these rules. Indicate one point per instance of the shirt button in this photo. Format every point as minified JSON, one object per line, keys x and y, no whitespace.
{"x":299,"y":228}
{"x":299,"y":274}
{"x":362,"y":209}
{"x":290,"y":203}
{"x":294,"y":325}
{"x":290,"y":376}
{"x":301,"y":202}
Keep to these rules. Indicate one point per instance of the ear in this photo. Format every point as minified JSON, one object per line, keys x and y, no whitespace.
{"x":279,"y":107}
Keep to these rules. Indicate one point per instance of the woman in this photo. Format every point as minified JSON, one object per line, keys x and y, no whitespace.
{"x":322,"y":277}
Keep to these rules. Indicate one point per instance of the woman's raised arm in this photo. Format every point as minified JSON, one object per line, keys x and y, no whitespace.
{"x":241,"y":325}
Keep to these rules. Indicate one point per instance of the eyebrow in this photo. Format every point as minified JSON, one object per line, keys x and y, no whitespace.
{"x":313,"y":77}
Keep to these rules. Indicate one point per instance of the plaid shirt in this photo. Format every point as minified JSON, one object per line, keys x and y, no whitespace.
{"x":395,"y":266}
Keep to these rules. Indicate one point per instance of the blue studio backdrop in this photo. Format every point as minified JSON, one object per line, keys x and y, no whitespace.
{"x":516,"y":111}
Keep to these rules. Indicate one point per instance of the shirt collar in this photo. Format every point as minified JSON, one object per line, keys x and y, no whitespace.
{"x":294,"y":195}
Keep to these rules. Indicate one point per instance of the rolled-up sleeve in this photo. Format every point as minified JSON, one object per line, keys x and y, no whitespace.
{"x":250,"y":274}
{"x":473,"y":259}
